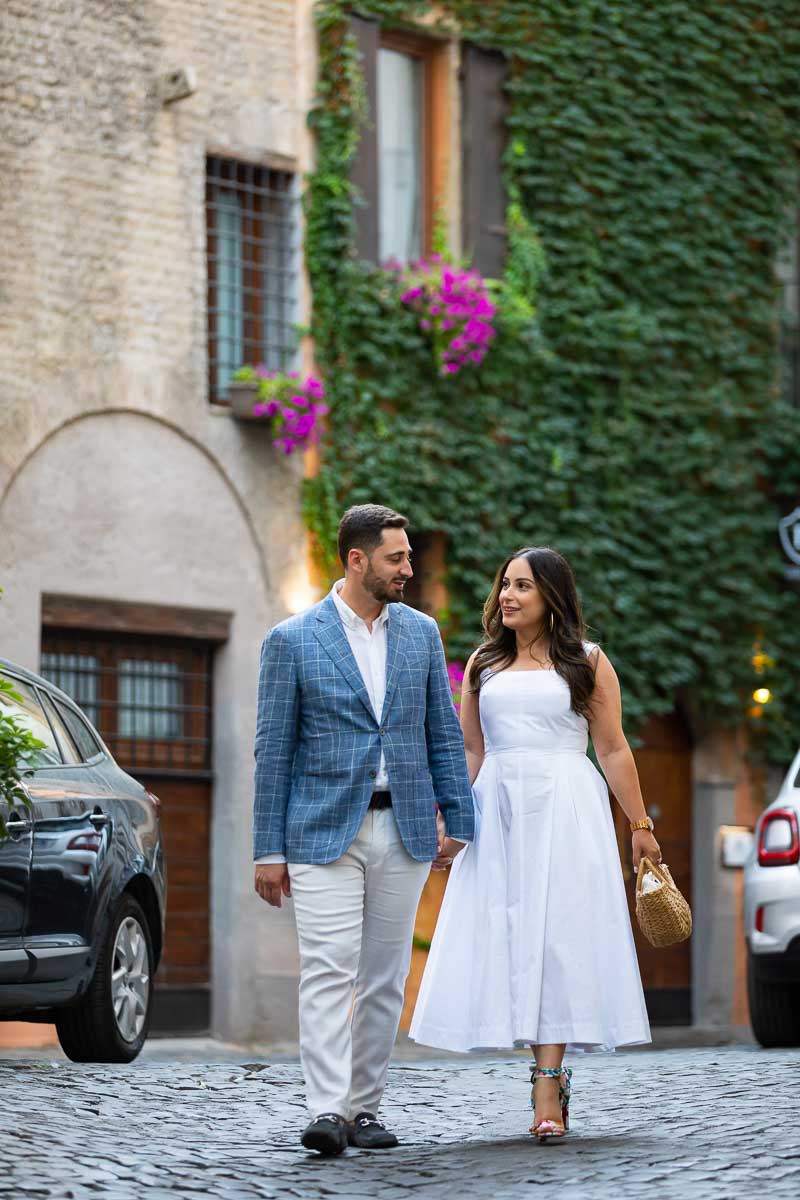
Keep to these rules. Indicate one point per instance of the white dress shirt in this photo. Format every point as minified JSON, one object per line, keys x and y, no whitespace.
{"x":369,"y":650}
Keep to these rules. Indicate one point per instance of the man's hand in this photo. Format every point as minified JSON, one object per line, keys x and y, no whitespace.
{"x":272,"y":882}
{"x":448,"y":847}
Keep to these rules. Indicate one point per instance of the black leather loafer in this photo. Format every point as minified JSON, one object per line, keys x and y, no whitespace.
{"x":327,"y":1134}
{"x":368,"y":1133}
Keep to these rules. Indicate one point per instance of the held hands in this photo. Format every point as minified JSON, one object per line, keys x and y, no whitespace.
{"x":448,"y":847}
{"x":644,"y":844}
{"x":272,"y":882}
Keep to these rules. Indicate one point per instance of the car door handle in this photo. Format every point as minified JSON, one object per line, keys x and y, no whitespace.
{"x":16,"y":823}
{"x":99,"y":819}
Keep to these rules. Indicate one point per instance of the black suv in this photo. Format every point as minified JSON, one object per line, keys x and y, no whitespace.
{"x":82,"y":885}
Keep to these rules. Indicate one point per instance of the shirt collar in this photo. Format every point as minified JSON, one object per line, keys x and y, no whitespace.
{"x":351,"y":619}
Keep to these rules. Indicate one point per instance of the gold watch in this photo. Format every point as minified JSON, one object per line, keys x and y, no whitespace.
{"x":645,"y":823}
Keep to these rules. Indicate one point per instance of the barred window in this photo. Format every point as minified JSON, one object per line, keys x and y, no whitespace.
{"x":150,"y":698}
{"x":77,"y":675}
{"x":252,"y":248}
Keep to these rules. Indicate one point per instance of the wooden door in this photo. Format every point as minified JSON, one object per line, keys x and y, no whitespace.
{"x":185,"y":968}
{"x":664,"y":764}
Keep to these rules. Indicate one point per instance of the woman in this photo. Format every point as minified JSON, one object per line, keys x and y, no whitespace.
{"x":533,"y":943}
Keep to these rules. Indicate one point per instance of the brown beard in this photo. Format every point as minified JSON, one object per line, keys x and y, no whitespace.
{"x":377,"y":588}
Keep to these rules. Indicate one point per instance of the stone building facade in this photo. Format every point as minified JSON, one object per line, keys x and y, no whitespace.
{"x":121,"y":484}
{"x":139,"y":520}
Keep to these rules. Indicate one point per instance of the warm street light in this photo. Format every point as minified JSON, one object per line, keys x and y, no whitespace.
{"x":762,"y":695}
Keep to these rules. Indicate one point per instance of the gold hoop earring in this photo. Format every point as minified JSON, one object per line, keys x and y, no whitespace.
{"x":552,"y":623}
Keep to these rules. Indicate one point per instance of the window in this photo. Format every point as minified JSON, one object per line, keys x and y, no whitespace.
{"x":68,"y":748}
{"x":152,"y":696}
{"x":77,"y":675}
{"x":149,"y":698}
{"x":400,"y":167}
{"x":82,"y":735}
{"x":252,"y":248}
{"x":401,"y":174}
{"x":27,"y":712}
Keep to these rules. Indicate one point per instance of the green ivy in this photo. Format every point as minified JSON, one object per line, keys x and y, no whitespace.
{"x":18,"y":747}
{"x":628,"y":412}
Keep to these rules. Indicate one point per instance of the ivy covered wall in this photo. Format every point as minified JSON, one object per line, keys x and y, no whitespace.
{"x":634,"y":422}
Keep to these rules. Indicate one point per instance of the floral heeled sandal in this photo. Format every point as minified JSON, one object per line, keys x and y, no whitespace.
{"x":548,"y":1130}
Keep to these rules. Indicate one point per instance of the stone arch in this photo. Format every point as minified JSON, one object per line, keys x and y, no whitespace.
{"x":121,"y":505}
{"x":111,"y":413}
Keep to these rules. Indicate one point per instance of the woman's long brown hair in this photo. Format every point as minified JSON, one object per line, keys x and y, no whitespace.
{"x":563,"y":620}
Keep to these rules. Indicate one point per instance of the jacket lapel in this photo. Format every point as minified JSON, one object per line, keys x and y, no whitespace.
{"x":395,"y":653}
{"x":331,"y":635}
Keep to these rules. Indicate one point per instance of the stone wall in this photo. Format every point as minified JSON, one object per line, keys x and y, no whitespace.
{"x":117,"y":478}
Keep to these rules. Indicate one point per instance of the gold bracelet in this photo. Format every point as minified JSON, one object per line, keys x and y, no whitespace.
{"x":645,"y":823}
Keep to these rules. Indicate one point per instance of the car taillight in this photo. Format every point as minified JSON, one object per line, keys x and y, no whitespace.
{"x":779,"y":839}
{"x":760,"y":919}
{"x":86,"y":841}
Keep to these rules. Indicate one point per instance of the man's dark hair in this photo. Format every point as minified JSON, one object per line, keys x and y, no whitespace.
{"x":362,"y":526}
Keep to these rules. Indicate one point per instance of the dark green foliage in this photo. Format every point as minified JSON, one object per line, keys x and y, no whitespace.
{"x":637,"y":426}
{"x":17,"y":747}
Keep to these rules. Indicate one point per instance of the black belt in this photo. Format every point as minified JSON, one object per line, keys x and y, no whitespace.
{"x":381,"y":800}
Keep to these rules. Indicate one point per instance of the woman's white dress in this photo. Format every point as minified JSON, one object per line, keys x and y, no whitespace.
{"x":534,"y":943}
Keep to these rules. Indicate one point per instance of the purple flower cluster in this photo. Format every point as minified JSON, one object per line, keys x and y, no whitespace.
{"x":454,"y":306}
{"x":294,"y":408}
{"x":455,"y":673}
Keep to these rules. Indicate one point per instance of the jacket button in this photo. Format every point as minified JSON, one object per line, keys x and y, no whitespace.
{"x":382,"y":732}
{"x":372,"y":774}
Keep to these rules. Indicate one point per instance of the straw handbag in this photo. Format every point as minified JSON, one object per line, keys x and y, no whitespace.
{"x":663,"y":914}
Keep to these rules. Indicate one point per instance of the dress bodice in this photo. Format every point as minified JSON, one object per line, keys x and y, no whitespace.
{"x":530,"y":710}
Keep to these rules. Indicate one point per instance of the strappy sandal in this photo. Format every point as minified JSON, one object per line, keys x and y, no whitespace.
{"x":549,"y":1130}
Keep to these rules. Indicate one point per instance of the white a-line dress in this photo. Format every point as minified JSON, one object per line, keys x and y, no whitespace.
{"x":534,"y":942}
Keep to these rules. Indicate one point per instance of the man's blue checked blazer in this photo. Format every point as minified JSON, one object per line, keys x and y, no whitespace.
{"x":318,"y":744}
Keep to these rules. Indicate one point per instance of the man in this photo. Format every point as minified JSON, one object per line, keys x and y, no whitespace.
{"x":356,"y":740}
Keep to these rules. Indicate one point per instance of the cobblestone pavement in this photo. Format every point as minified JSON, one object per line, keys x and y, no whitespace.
{"x":698,"y":1123}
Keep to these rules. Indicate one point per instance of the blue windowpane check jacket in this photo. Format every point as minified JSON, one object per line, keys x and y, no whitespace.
{"x":318,"y":743}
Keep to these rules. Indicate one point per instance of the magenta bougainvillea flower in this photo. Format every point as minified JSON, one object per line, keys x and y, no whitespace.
{"x":293,"y":407}
{"x":453,"y":306}
{"x":455,"y":673}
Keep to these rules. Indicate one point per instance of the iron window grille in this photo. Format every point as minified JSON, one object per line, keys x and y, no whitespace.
{"x":252,"y":250}
{"x":149,"y":698}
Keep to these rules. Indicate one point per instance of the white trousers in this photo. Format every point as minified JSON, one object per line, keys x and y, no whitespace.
{"x":355,"y":925}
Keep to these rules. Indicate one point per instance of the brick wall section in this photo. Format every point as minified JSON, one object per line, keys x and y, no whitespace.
{"x":102,"y":200}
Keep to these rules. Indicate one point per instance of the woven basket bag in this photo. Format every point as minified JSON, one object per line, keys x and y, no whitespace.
{"x":664,"y":916}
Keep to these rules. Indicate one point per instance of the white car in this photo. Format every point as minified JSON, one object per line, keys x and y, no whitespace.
{"x":772,"y":918}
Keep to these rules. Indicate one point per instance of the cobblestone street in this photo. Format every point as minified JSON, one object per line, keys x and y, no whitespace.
{"x":707,"y":1123}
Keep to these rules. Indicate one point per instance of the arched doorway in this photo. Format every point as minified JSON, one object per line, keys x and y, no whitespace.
{"x":121,"y":510}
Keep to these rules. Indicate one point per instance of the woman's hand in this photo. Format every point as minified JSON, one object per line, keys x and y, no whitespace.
{"x":645,"y":844}
{"x":449,"y":848}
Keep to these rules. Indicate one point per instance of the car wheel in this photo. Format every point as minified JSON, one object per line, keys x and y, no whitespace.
{"x":110,"y":1021}
{"x":774,"y":1006}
